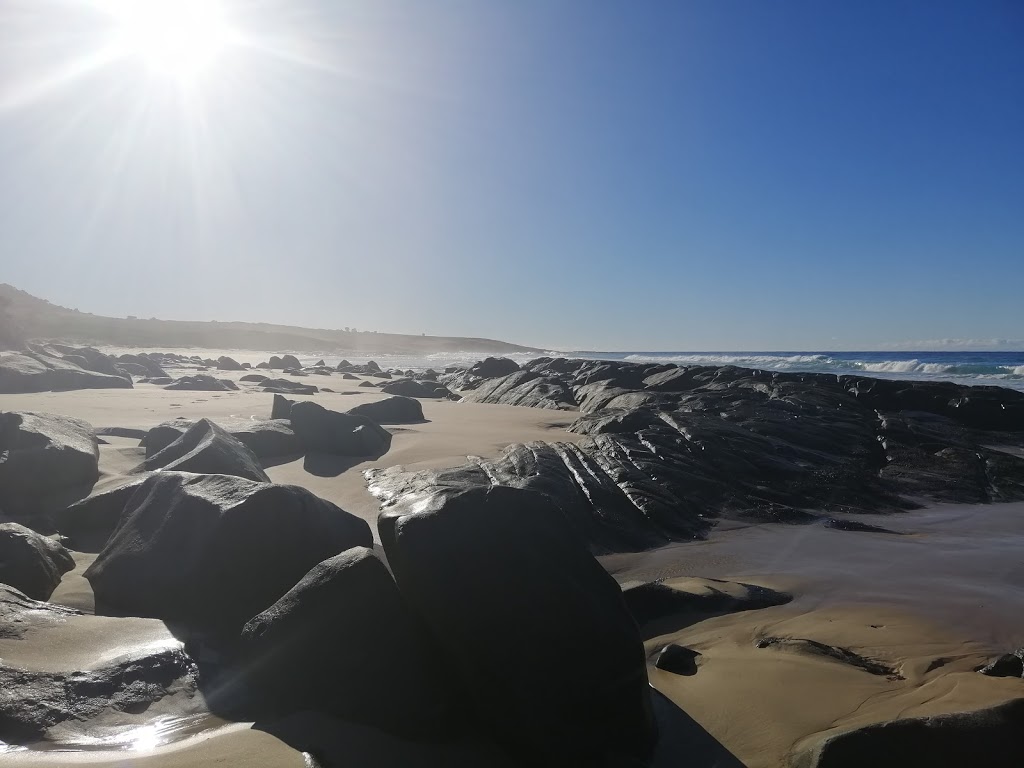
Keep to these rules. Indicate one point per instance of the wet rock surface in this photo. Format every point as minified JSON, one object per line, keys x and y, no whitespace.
{"x":196,"y":548}
{"x":31,"y":562}
{"x":32,"y":702}
{"x":46,"y":461}
{"x":669,"y":449}
{"x":990,"y":737}
{"x":451,"y":554}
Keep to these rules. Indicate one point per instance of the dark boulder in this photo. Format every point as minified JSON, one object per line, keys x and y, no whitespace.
{"x":344,"y":365}
{"x":990,"y":737}
{"x":225,"y":363}
{"x":284,"y":362}
{"x":567,"y":687}
{"x":367,"y":384}
{"x":214,"y":550}
{"x":87,"y":524}
{"x":256,"y":377}
{"x":342,"y":641}
{"x":207,"y":448}
{"x":493,"y":367}
{"x":319,"y":363}
{"x":349,"y":376}
{"x":34,"y":372}
{"x":282,"y":407}
{"x":286,"y":387}
{"x":1007,"y":665}
{"x":85,"y":357}
{"x":324,"y":431}
{"x":677,"y":659}
{"x":31,"y":562}
{"x":391,"y":410}
{"x":266,"y":438}
{"x":203,"y":383}
{"x":265,"y":366}
{"x":46,"y":461}
{"x":411,"y":388}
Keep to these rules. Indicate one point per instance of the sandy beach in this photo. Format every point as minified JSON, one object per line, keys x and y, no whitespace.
{"x":931,"y":601}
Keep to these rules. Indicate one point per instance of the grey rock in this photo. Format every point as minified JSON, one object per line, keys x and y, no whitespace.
{"x":391,"y":410}
{"x":562,"y":604}
{"x":46,"y":461}
{"x":34,"y":372}
{"x":212,"y":551}
{"x":207,"y":448}
{"x":31,"y":562}
{"x":343,"y":641}
{"x":324,"y":431}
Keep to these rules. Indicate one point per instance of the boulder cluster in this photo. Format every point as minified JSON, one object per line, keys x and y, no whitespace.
{"x":667,"y":449}
{"x":304,"y":612}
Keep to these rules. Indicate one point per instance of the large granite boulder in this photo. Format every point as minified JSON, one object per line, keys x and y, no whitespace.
{"x":150,"y":365}
{"x":30,"y":562}
{"x":287,"y":387}
{"x":266,"y":438}
{"x":391,"y":410}
{"x":493,"y":367}
{"x":207,"y":448}
{"x":990,"y":737}
{"x":411,"y":388}
{"x":284,"y":362}
{"x":324,"y":431}
{"x":34,"y":372}
{"x":215,"y":550}
{"x":203,"y":383}
{"x":561,"y":679}
{"x":343,"y":641}
{"x":87,"y":524}
{"x":46,"y":461}
{"x":225,"y":363}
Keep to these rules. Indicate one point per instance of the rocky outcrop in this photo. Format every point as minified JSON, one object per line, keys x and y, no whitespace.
{"x":391,"y":410}
{"x":203,"y":383}
{"x":493,"y":367}
{"x":266,"y":438}
{"x":343,"y":641}
{"x":324,"y":431}
{"x":668,"y":450}
{"x":213,"y":551}
{"x":411,"y":388}
{"x":113,"y":690}
{"x":207,"y":448}
{"x":990,"y":737}
{"x":46,"y":461}
{"x":34,"y":372}
{"x":524,"y":388}
{"x":568,"y":687}
{"x":30,"y":562}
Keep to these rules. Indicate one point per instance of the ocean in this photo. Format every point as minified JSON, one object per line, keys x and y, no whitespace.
{"x":1004,"y":369}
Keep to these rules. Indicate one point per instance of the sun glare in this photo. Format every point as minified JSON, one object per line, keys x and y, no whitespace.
{"x":178,"y":39}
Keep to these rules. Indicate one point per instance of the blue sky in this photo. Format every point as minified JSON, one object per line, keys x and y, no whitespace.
{"x":704,"y":175}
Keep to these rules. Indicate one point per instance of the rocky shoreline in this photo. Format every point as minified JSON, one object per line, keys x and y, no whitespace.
{"x":481,"y":624}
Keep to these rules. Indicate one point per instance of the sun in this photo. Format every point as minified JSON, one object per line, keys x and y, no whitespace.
{"x":178,"y":39}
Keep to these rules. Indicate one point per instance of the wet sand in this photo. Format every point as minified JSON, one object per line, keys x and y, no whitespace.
{"x":933,"y":604}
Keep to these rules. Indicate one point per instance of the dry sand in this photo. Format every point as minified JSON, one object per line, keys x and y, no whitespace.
{"x":934,"y":604}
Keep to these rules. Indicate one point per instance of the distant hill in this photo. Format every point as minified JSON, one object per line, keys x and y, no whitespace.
{"x":23,"y":316}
